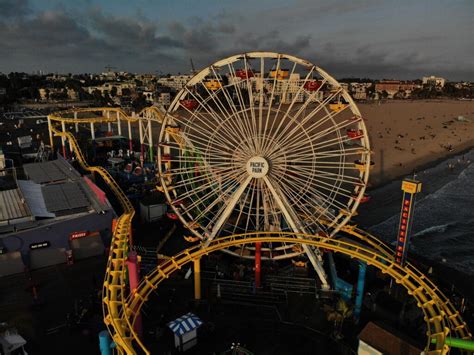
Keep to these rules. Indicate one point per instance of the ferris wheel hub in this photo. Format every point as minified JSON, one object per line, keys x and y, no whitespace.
{"x":257,"y":167}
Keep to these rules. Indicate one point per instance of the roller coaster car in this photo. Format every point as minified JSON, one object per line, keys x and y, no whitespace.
{"x":189,"y":104}
{"x":191,"y":239}
{"x":312,"y":85}
{"x":355,"y":133}
{"x":244,"y":74}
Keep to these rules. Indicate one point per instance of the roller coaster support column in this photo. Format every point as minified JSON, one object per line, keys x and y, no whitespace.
{"x":142,"y":147}
{"x":197,"y":279}
{"x":134,"y":280}
{"x":76,"y":125}
{"x":258,"y":264}
{"x":63,"y":140}
{"x":119,"y":126}
{"x":360,"y":290}
{"x":92,"y":131}
{"x":130,"y":133}
{"x":150,"y":137}
{"x":109,"y":124}
{"x":51,"y":143}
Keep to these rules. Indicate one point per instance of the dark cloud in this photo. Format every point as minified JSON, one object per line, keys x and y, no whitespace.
{"x":90,"y":39}
{"x":130,"y":32}
{"x":14,"y":8}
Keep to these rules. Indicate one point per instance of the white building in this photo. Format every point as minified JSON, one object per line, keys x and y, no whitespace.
{"x":176,"y":82}
{"x":433,"y":80}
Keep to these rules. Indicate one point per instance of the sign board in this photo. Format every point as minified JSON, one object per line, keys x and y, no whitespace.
{"x":40,"y":245}
{"x":77,"y":235}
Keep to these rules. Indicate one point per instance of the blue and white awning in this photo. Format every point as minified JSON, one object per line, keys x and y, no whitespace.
{"x":185,"y":324}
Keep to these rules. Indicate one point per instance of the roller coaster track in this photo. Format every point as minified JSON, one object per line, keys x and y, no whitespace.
{"x":433,"y":310}
{"x":120,"y":310}
{"x":456,"y":324}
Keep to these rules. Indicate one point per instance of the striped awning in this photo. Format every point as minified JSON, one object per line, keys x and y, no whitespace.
{"x":185,"y":324}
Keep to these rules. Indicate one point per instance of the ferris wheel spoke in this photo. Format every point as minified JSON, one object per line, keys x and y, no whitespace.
{"x":312,"y":216}
{"x":320,"y":155}
{"x":251,"y":99}
{"x":301,"y":141}
{"x":275,"y":118}
{"x":296,"y":225}
{"x":241,"y":206}
{"x":278,"y":133}
{"x":214,"y":114}
{"x":229,"y":176}
{"x":240,"y":98}
{"x":207,"y":196}
{"x":228,"y":210}
{"x":203,"y":123}
{"x":263,"y":131}
{"x":303,"y":185}
{"x":304,"y":210}
{"x":240,"y":120}
{"x":330,"y":187}
{"x":203,"y":138}
{"x":329,"y":115}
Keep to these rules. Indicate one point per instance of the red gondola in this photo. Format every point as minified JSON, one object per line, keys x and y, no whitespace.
{"x":354,"y":133}
{"x":244,"y":74}
{"x":364,"y":199}
{"x":172,"y":216}
{"x":312,"y":85}
{"x":166,"y":157}
{"x":190,"y":104}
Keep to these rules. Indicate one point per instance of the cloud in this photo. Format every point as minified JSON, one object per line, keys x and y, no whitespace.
{"x":14,"y":8}
{"x":344,"y":38}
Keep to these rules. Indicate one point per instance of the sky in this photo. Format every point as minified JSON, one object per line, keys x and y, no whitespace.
{"x":400,"y":39}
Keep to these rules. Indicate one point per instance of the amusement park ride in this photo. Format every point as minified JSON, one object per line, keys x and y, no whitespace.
{"x":257,"y":166}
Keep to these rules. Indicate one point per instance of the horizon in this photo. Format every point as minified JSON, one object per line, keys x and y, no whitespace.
{"x":368,"y":39}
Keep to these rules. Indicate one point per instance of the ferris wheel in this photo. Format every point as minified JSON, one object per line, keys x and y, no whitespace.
{"x":264,"y":141}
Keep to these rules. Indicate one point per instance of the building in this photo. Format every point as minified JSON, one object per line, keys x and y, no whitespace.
{"x":55,"y":216}
{"x":378,"y":339}
{"x":164,"y":99}
{"x":176,"y":82}
{"x":433,"y":81}
{"x":394,"y":86}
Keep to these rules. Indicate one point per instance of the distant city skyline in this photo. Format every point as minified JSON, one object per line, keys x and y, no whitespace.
{"x":368,"y":38}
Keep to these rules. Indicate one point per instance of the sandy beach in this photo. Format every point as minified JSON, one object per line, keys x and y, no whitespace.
{"x":405,"y":136}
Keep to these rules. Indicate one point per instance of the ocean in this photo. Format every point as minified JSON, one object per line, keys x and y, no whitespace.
{"x":443,"y":224}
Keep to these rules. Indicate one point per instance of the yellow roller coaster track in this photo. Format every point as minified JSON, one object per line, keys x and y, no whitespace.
{"x":120,"y":311}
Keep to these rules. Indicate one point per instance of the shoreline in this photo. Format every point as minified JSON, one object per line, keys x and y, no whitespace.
{"x":460,"y":150}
